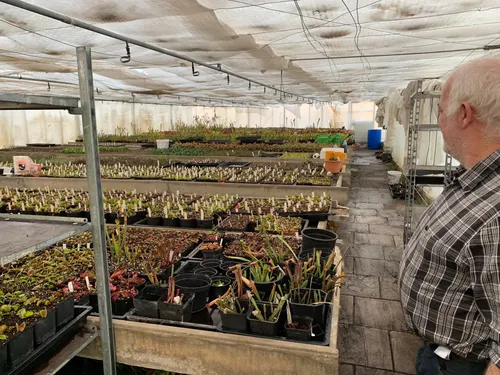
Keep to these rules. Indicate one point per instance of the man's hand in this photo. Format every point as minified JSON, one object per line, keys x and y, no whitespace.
{"x":492,"y":370}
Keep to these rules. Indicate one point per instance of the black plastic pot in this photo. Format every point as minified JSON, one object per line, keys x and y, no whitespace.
{"x":45,"y":328}
{"x":315,"y":238}
{"x":93,"y":302}
{"x":325,"y":253}
{"x":20,"y":346}
{"x":211,"y":263}
{"x":13,"y":212}
{"x":169,"y":222}
{"x":83,"y":301}
{"x":210,"y":272}
{"x":187,"y":223}
{"x":299,"y":334}
{"x":110,"y":217}
{"x":155,"y":220}
{"x":177,"y":313}
{"x":213,"y":254}
{"x":146,"y":302}
{"x":262,"y":328}
{"x":197,"y":284}
{"x":234,"y":322}
{"x":65,"y":311}
{"x":4,"y":358}
{"x":251,"y":226}
{"x":141,"y":214}
{"x":27,"y":212}
{"x":204,"y":224}
{"x":121,"y":306}
{"x":316,"y":312}
{"x":265,"y":289}
{"x":217,"y":291}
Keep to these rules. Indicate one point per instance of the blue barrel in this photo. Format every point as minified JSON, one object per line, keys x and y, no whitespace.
{"x":374,"y":139}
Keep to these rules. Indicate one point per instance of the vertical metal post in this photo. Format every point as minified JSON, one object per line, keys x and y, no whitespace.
{"x":96,"y":208}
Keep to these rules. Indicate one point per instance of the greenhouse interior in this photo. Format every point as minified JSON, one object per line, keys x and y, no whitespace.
{"x":220,"y":187}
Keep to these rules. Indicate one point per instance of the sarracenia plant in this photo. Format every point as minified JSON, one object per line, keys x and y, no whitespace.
{"x":267,"y":313}
{"x":117,"y":242}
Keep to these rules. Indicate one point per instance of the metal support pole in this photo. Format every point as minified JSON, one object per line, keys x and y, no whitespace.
{"x":96,"y":208}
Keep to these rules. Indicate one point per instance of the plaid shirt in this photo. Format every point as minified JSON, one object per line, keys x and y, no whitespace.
{"x":450,"y":270}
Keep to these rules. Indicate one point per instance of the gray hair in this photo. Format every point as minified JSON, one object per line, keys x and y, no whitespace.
{"x":478,"y":83}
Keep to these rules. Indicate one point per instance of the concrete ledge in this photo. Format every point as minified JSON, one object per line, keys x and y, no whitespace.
{"x":337,"y":192}
{"x":196,"y":352}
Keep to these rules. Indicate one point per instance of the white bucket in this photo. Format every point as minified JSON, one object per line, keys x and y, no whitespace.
{"x":394,"y":177}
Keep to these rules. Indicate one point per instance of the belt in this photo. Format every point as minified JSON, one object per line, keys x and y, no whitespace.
{"x":470,"y":357}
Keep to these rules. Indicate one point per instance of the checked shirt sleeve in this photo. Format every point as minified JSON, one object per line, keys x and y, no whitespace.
{"x":484,"y":260}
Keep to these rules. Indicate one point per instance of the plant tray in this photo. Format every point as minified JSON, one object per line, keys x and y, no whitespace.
{"x":234,"y":164}
{"x":206,"y":319}
{"x":45,"y":351}
{"x":320,"y":340}
{"x":191,"y":139}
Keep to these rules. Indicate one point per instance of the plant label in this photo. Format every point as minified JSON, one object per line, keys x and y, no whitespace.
{"x":70,"y":287}
{"x":87,"y":281}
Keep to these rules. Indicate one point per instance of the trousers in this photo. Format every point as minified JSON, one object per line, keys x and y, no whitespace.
{"x":428,"y":363}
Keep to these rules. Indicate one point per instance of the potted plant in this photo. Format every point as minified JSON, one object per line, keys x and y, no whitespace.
{"x":299,"y":328}
{"x":333,"y":165}
{"x":264,"y":317}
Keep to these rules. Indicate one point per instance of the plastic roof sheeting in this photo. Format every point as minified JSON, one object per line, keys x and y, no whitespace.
{"x":266,"y":40}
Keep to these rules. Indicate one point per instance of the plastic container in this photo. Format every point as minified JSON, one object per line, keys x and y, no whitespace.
{"x":374,"y":139}
{"x":217,"y":291}
{"x":204,"y":224}
{"x":197,"y":284}
{"x":258,"y":327}
{"x":236,"y":322}
{"x":299,"y":334}
{"x":146,"y":302}
{"x":45,"y":328}
{"x":316,"y":238}
{"x":336,"y":154}
{"x":210,"y":272}
{"x":65,"y":311}
{"x":187,"y":223}
{"x":162,"y":143}
{"x":211,"y":263}
{"x":177,"y":313}
{"x":20,"y":346}
{"x":170,"y":222}
{"x":316,"y":312}
{"x":394,"y":177}
{"x":322,"y":154}
{"x":4,"y":357}
{"x":154,"y":221}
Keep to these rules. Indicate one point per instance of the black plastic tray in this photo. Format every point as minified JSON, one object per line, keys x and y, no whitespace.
{"x":47,"y":349}
{"x":234,"y":164}
{"x":324,"y":342}
{"x":206,"y":319}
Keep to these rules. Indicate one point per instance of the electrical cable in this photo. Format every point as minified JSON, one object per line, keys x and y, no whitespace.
{"x":306,"y":31}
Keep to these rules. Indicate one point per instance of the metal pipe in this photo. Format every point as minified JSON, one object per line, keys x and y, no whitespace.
{"x":99,"y":30}
{"x":96,"y":208}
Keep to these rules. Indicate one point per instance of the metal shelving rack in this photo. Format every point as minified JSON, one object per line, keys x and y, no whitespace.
{"x":90,"y":136}
{"x":416,"y":174}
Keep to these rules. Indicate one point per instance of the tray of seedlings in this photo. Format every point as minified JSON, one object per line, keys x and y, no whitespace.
{"x":312,"y":207}
{"x":201,"y":163}
{"x":234,"y":164}
{"x":249,"y":175}
{"x":236,"y":223}
{"x":273,"y":224}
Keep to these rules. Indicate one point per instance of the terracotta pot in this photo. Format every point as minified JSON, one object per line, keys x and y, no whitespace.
{"x":334,"y":166}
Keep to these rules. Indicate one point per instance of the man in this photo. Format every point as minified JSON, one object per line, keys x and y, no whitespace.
{"x":450,"y":271}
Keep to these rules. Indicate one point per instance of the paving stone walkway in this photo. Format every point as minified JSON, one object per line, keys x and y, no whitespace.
{"x":373,"y":336}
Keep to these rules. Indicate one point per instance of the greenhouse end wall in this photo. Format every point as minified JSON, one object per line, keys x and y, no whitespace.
{"x":18,"y":128}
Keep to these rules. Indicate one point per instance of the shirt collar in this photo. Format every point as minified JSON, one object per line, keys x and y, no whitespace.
{"x":470,"y":178}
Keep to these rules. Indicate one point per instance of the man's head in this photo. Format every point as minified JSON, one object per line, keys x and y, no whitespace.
{"x":469,"y":111}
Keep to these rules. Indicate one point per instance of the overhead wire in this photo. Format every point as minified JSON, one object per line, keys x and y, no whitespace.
{"x":307,"y":31}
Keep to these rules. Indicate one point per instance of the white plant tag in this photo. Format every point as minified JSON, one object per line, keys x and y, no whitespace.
{"x":64,"y":246}
{"x":87,"y":281}
{"x":70,"y":287}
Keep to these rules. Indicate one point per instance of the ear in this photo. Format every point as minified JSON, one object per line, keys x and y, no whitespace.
{"x":466,"y":115}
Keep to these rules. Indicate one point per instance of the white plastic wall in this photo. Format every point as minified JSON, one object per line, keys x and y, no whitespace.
{"x":18,"y":128}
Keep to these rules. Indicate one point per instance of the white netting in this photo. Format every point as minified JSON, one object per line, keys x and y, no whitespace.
{"x":259,"y":39}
